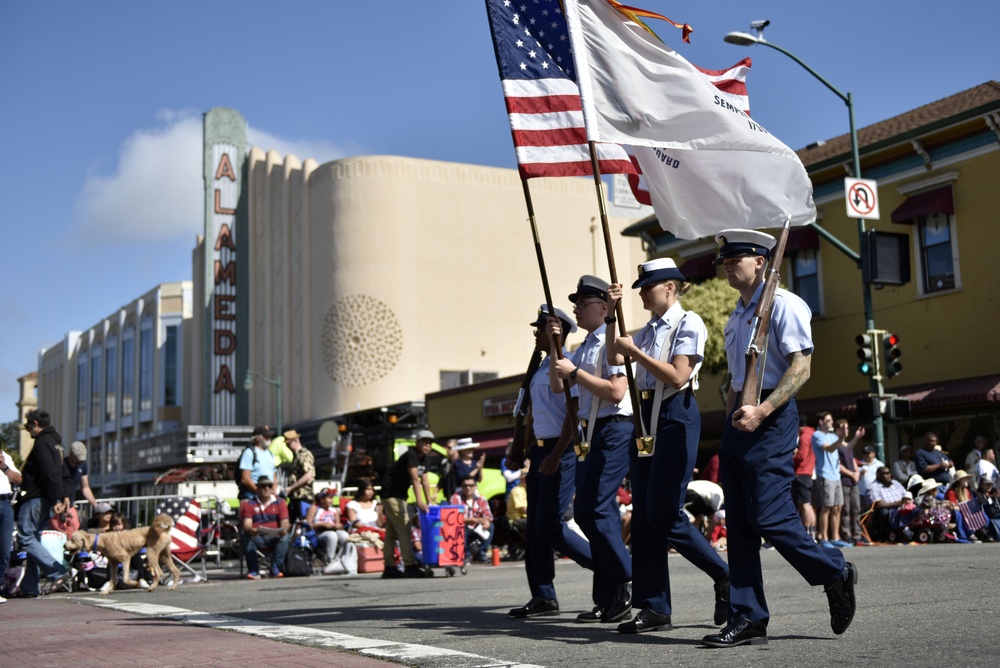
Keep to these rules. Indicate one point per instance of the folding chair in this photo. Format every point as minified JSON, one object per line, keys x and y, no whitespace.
{"x":189,"y":541}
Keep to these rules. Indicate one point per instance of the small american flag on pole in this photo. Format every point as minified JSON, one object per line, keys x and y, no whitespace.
{"x":186,"y":512}
{"x":972,"y":513}
{"x":543,"y":100}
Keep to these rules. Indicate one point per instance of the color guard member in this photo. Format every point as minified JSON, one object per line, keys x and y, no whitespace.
{"x":606,"y":418}
{"x":670,"y":351}
{"x":756,"y":452}
{"x":549,"y":496}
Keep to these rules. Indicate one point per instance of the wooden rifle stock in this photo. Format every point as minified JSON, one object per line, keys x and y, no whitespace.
{"x":519,"y":450}
{"x":756,"y":350}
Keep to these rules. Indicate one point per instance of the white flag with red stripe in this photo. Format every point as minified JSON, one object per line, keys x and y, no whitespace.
{"x":707,"y":165}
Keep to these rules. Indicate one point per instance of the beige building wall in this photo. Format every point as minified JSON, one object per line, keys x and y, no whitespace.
{"x":27,"y":401}
{"x":369,"y":276}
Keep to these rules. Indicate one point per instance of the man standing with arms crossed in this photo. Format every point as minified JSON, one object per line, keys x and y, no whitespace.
{"x":756,"y":453}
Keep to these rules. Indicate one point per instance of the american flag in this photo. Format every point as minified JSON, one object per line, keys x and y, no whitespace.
{"x":972,"y":513}
{"x":732,"y":85}
{"x":187,"y":523}
{"x":543,"y":101}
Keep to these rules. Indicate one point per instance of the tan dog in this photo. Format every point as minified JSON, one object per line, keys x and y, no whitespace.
{"x":120,"y":546}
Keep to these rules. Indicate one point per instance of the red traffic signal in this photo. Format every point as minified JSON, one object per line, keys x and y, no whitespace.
{"x":890,"y":346}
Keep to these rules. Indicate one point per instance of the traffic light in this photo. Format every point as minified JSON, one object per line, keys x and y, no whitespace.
{"x":866,"y":354}
{"x":890,"y":345}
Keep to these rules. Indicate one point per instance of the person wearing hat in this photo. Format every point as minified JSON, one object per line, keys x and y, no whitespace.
{"x":75,"y":475}
{"x":869,"y":465}
{"x":410,"y":470}
{"x":255,"y":462}
{"x":605,"y":412}
{"x":990,"y":502}
{"x":669,"y":351}
{"x":756,"y":452}
{"x":299,"y":491}
{"x":550,"y":492}
{"x":265,"y":526}
{"x":324,"y":518}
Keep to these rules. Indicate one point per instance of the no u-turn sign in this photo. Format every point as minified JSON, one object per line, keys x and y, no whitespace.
{"x":862,"y":198}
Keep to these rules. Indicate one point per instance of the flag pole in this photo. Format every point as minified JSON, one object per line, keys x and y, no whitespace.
{"x":570,"y":411}
{"x":619,"y":312}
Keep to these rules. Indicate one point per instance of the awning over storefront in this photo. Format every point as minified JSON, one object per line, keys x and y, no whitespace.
{"x":700,"y":268}
{"x":924,"y":204}
{"x":802,"y":238}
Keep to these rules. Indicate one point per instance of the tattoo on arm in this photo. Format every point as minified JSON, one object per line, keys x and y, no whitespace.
{"x":792,"y":380}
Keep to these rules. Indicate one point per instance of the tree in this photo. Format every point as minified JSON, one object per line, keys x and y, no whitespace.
{"x":713,"y":300}
{"x":9,"y":441}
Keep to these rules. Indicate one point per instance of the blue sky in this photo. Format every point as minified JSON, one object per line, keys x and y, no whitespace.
{"x":100,"y":189}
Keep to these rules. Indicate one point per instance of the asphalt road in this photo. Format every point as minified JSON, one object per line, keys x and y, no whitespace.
{"x":917,"y":605}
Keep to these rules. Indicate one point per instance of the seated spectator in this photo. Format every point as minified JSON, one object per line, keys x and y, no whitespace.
{"x":904,"y":468}
{"x":466,"y":465}
{"x":515,"y":523}
{"x":624,"y":498}
{"x":118,"y":522}
{"x":478,"y":519}
{"x":886,"y":495}
{"x":101,"y":519}
{"x":363,"y":512}
{"x":717,"y":535}
{"x":989,"y":499}
{"x":703,"y":499}
{"x":958,"y":490}
{"x":987,"y":466}
{"x":932,"y":462}
{"x":416,"y":536}
{"x":324,"y":519}
{"x":265,"y":526}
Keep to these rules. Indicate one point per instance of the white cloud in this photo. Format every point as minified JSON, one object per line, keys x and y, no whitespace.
{"x":156,"y":192}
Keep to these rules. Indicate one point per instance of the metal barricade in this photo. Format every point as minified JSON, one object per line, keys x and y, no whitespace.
{"x":141,"y":510}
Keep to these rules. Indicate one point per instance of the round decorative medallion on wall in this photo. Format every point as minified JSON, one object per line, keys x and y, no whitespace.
{"x":362,"y":340}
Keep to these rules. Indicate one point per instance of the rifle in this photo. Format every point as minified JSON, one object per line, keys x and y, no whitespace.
{"x":519,"y":449}
{"x":760,"y":326}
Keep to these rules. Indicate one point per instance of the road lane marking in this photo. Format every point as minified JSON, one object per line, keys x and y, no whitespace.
{"x":406,"y":653}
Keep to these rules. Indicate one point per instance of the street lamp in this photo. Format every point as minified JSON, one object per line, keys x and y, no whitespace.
{"x":746,"y":39}
{"x":248,"y":385}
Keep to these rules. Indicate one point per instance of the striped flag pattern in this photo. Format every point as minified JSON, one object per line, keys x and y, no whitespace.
{"x":184,"y":537}
{"x":543,"y":100}
{"x":972,"y":513}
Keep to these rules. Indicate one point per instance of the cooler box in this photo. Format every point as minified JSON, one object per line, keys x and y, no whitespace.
{"x":370,"y":559}
{"x":442,"y":533}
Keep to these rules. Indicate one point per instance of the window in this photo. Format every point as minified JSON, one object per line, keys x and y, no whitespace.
{"x":453,"y":379}
{"x":81,"y":393}
{"x":146,"y":369}
{"x":111,"y":382}
{"x":95,"y":389}
{"x":170,"y":367}
{"x":128,"y":371}
{"x":805,"y":278}
{"x":936,"y":256}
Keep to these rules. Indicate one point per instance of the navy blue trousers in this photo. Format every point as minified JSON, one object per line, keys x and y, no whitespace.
{"x":546,"y":533}
{"x":659,"y":484}
{"x":756,"y":475}
{"x":598,"y":478}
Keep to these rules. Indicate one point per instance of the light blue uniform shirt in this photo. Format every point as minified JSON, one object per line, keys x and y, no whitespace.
{"x":790,"y":333}
{"x":548,"y":409}
{"x":586,"y":358}
{"x":690,"y":340}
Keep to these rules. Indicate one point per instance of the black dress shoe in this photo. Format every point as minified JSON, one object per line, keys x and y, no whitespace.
{"x":740,"y":632}
{"x":620,"y":606}
{"x":595,"y":615}
{"x":646,"y":620}
{"x":21,"y":594}
{"x":536,"y":607}
{"x":841,"y":597}
{"x":722,"y":601}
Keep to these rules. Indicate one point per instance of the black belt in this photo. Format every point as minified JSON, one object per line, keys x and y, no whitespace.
{"x":6,"y":497}
{"x":600,"y":422}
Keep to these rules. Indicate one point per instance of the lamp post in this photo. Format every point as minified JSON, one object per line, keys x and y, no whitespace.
{"x":248,"y":385}
{"x":875,"y":382}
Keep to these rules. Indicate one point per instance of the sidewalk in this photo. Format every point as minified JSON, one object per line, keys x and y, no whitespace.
{"x":56,"y":632}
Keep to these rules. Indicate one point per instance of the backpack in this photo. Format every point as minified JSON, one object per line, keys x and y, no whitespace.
{"x":238,"y":471}
{"x":298,"y":563}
